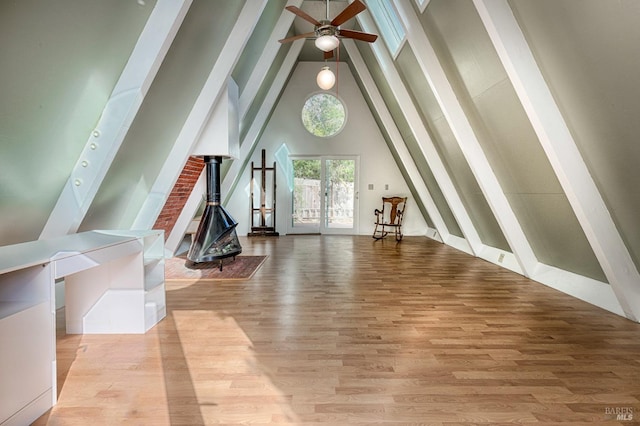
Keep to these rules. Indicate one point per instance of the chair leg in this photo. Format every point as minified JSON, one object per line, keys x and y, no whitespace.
{"x":375,"y":233}
{"x":380,"y":231}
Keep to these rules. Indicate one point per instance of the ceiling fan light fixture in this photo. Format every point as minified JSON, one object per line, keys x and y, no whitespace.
{"x":326,"y":78}
{"x":327,"y":43}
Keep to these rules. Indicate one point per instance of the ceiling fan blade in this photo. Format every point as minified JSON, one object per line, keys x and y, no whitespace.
{"x":358,"y":35}
{"x":304,"y":15}
{"x":296,"y":37}
{"x":328,"y":55}
{"x":349,"y":12}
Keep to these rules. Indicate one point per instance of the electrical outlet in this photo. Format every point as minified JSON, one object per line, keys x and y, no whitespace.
{"x":370,"y":187}
{"x":386,"y":186}
{"x":501,"y":258}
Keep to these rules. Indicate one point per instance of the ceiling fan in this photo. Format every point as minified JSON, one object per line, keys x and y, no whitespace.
{"x":327,"y":32}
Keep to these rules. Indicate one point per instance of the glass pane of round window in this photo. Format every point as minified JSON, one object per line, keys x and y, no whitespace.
{"x":323,"y":115}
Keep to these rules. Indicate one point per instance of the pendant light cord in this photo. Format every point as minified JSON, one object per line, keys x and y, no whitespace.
{"x":337,"y":68}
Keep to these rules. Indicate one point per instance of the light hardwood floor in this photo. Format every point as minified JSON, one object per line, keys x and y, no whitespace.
{"x":344,"y":330}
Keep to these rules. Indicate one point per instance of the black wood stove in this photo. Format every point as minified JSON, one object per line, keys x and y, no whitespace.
{"x":216,"y":236}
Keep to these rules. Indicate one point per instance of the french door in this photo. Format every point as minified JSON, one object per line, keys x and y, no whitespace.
{"x":324,"y":196}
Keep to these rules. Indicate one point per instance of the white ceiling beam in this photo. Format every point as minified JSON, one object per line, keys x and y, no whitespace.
{"x":563,"y":153}
{"x":102,"y":145}
{"x":423,"y":138}
{"x":422,"y":5}
{"x":250,"y":140}
{"x":188,"y":212}
{"x":467,"y":140}
{"x":266,"y":58}
{"x":396,"y":138}
{"x":247,"y":96}
{"x":199,"y":114}
{"x":246,"y":149}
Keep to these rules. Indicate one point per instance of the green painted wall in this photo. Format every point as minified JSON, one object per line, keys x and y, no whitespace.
{"x":507,"y":138}
{"x":60,"y":62}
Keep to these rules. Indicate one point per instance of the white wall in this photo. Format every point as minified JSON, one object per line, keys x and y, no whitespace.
{"x":360,"y":137}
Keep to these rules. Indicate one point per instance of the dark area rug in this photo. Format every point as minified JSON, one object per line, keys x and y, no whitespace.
{"x":240,"y":268}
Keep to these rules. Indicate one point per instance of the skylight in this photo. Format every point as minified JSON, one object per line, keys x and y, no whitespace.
{"x":388,"y":22}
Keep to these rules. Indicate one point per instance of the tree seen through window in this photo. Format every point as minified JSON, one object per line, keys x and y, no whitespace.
{"x":323,"y":115}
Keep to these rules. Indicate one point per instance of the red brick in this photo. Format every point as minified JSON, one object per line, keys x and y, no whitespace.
{"x":179,"y":195}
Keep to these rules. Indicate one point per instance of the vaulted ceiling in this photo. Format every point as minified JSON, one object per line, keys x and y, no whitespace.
{"x":513,"y":121}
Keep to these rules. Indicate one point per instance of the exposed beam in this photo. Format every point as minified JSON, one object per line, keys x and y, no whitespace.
{"x":246,"y":149}
{"x":466,"y":138}
{"x":266,"y":58}
{"x":425,"y":4}
{"x":249,"y":142}
{"x":102,"y":145}
{"x":199,"y":114}
{"x":180,"y":228}
{"x":246,"y":98}
{"x":563,"y":153}
{"x":423,"y":138}
{"x":396,"y":138}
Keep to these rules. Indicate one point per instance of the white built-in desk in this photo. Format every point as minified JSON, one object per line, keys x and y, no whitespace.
{"x":114,"y":283}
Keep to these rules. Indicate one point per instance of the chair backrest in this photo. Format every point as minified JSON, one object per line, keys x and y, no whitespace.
{"x":395,"y":206}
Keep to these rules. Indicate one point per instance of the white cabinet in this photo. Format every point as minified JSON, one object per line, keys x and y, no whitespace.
{"x":153,"y":292}
{"x":108,"y":296}
{"x":27,"y":348}
{"x":114,"y":283}
{"x":154,"y":288}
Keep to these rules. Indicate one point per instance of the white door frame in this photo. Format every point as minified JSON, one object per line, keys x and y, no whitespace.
{"x":322,"y":228}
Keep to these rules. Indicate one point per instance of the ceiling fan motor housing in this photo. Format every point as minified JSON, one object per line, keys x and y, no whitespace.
{"x":326,"y":29}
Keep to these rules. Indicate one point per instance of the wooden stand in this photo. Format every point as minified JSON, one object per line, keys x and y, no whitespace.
{"x":262,"y":229}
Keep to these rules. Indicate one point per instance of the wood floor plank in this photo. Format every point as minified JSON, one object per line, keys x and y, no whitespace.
{"x":336,"y":330}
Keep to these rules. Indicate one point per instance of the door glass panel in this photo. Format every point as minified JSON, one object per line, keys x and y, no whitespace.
{"x":306,"y":193}
{"x":339,"y":193}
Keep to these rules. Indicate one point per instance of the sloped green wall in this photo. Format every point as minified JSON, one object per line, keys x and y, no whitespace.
{"x":60,"y":62}
{"x":168,"y":103}
{"x":507,"y":137}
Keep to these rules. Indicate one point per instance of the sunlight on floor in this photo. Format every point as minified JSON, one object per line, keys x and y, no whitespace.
{"x":236,"y":389}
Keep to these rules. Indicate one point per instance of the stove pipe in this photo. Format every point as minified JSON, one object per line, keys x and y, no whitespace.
{"x":216,"y":236}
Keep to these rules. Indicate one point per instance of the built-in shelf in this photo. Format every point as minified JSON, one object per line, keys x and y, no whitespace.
{"x":8,"y":309}
{"x":114,"y":283}
{"x":154,"y":277}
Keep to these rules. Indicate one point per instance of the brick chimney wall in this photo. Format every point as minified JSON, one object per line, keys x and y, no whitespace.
{"x":179,"y":195}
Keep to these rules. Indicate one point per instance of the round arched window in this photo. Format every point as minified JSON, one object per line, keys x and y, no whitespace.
{"x":323,"y":114}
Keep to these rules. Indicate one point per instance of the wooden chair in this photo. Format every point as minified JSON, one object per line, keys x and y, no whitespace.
{"x":390,"y":217}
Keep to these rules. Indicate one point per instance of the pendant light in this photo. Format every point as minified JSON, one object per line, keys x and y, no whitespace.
{"x":326,"y":79}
